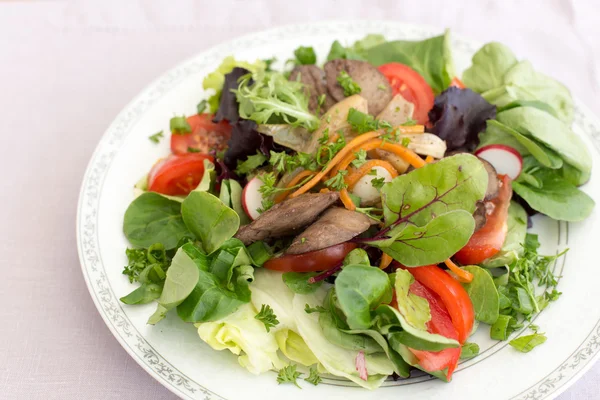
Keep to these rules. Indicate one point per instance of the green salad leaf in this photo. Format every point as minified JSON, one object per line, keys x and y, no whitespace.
{"x":152,"y":218}
{"x":216,"y":79}
{"x":360,"y":289}
{"x":305,"y":55}
{"x":469,"y":350}
{"x":431,"y":58}
{"x":266,"y":97}
{"x":490,"y":63}
{"x":209,"y":219}
{"x":483,"y":294}
{"x":298,"y":282}
{"x":543,"y":127}
{"x":428,"y":212}
{"x":525,"y":344}
{"x":358,"y":51}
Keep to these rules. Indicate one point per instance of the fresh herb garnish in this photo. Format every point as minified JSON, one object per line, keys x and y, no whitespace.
{"x":337,"y":182}
{"x":381,"y":87}
{"x":378,"y":183}
{"x":318,"y":309}
{"x":409,"y":122}
{"x":267,"y":317}
{"x":362,"y":123}
{"x":192,"y":150}
{"x":313,"y":376}
{"x":525,"y":344}
{"x":251,"y":163}
{"x":156,"y":137}
{"x":269,"y":62}
{"x":405,"y":141}
{"x":361,"y":158}
{"x":348,"y":84}
{"x":179,"y":126}
{"x":201,"y":106}
{"x":288,"y":375}
{"x":305,"y":55}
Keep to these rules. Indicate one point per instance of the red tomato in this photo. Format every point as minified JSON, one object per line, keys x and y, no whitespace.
{"x":489,"y":240}
{"x":204,"y":137}
{"x":319,"y":260}
{"x":407,"y":82}
{"x":440,"y":323}
{"x":451,"y":293}
{"x":458,"y":83}
{"x":177,"y":174}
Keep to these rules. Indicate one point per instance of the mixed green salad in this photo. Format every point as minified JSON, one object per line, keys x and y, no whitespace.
{"x":359,"y":216}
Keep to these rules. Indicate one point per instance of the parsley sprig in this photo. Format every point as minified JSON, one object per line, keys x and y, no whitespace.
{"x":156,"y":137}
{"x":288,"y":375}
{"x":348,"y":84}
{"x":337,"y":182}
{"x":267,"y":317}
{"x":313,"y":376}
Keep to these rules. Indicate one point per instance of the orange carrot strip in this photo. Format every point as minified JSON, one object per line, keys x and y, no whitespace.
{"x":463,"y":276}
{"x":386,"y":260}
{"x":336,"y":159}
{"x":345,"y":197}
{"x":295,"y":180}
{"x":429,"y":159}
{"x":355,"y":174}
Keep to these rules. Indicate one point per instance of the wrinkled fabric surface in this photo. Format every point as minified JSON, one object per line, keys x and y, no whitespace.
{"x":68,"y":68}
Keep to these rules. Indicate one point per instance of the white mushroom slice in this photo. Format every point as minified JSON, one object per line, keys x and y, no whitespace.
{"x":425,"y":144}
{"x":397,"y":111}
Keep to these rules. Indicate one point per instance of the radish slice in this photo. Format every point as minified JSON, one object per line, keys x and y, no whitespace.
{"x":361,"y":365}
{"x":252,"y":198}
{"x":505,"y":159}
{"x":365,"y":190}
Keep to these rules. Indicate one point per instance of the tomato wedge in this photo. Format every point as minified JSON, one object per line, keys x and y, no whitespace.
{"x":452,"y":294}
{"x":488,"y":241}
{"x":407,"y":82}
{"x":440,"y":323}
{"x":204,"y":137}
{"x":177,"y":174}
{"x":319,"y":260}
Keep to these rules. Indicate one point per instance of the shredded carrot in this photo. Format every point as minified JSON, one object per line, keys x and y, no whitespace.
{"x":463,"y":276}
{"x":345,"y":197}
{"x":411,"y":157}
{"x":324,"y":190}
{"x":334,"y":138}
{"x":412,"y":129}
{"x":429,"y":159}
{"x":336,"y":159}
{"x":295,"y":180}
{"x":386,"y":260}
{"x":355,"y":174}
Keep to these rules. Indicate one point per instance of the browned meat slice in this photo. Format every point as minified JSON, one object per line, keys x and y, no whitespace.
{"x":374,"y":86}
{"x":493,"y":182}
{"x":287,"y":217}
{"x":313,"y":78}
{"x":336,"y":225}
{"x":480,"y":215}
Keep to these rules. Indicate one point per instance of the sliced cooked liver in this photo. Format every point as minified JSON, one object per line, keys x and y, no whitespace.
{"x":313,"y":79}
{"x":287,"y":217}
{"x":336,"y":225}
{"x":374,"y":85}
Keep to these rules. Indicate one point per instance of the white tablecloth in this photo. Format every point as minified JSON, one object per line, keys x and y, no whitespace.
{"x":66,"y":69}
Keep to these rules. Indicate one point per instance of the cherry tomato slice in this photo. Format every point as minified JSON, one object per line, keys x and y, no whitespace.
{"x":319,"y":260}
{"x":488,"y":241}
{"x":204,"y":137}
{"x":452,"y":294}
{"x":440,"y":323}
{"x":407,"y":82}
{"x":177,"y":174}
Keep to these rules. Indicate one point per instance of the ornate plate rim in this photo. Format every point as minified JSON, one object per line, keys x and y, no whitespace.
{"x":578,"y":362}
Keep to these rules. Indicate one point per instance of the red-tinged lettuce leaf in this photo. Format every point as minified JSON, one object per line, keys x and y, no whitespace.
{"x":228,"y":105}
{"x":458,"y":115}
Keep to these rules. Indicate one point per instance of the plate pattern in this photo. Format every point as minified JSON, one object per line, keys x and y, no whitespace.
{"x":87,"y":215}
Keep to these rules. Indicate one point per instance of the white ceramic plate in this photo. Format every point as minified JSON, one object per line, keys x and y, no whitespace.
{"x":172,"y":351}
